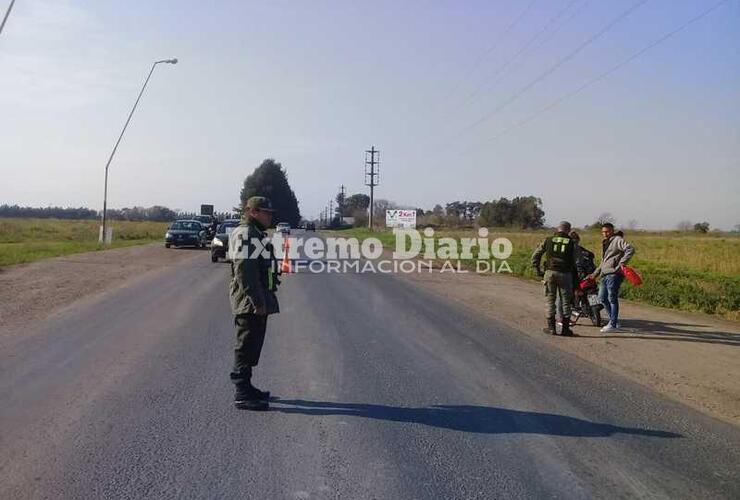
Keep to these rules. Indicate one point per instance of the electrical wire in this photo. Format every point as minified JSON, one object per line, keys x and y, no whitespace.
{"x":555,"y":66}
{"x":522,"y":51}
{"x":491,"y":48}
{"x":609,"y":71}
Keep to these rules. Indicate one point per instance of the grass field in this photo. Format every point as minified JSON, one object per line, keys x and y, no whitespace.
{"x":680,"y":271}
{"x":28,"y":240}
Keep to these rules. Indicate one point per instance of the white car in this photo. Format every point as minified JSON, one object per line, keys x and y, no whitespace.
{"x":283,"y":227}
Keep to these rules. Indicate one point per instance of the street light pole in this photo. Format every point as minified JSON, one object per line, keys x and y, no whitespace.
{"x":105,"y":189}
{"x":7,"y":13}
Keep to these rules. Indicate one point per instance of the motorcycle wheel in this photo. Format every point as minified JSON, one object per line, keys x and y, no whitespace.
{"x":596,"y":316}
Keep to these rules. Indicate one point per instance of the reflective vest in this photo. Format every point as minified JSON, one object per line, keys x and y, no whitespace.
{"x":559,"y":254}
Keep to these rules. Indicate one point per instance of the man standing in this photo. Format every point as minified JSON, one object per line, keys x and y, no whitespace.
{"x":560,"y":271}
{"x":252,"y":290}
{"x":615,"y":252}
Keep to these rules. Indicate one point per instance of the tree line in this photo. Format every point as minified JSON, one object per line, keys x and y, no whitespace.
{"x":155,"y":213}
{"x":523,"y":212}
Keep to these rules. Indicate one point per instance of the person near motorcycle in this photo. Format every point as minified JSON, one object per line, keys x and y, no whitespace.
{"x":615,"y":253}
{"x":560,"y":271}
{"x":584,"y":266}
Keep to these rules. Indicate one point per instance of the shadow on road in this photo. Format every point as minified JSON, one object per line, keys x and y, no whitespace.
{"x":678,"y":332}
{"x":466,"y":418}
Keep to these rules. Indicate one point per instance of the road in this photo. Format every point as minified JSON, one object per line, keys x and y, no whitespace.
{"x":383,"y":391}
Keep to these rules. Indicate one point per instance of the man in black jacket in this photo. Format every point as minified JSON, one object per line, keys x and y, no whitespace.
{"x":560,"y":270}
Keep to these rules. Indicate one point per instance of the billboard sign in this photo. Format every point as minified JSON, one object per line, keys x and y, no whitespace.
{"x":405,"y":219}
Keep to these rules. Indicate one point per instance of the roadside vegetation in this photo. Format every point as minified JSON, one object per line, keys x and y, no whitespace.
{"x":25,"y":240}
{"x":691,"y":272}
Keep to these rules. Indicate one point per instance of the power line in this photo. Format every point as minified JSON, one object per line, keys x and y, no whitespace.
{"x":522,"y":50}
{"x":555,"y":66}
{"x":609,"y":71}
{"x":491,"y":48}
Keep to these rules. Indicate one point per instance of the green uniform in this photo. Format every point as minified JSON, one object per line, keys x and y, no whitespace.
{"x":560,"y":271}
{"x":253,"y":285}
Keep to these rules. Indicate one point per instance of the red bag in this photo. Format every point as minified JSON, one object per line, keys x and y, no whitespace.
{"x":587,"y":283}
{"x":632,"y":275}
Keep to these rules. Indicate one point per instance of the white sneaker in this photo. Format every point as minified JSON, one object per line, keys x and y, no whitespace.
{"x":608,"y":328}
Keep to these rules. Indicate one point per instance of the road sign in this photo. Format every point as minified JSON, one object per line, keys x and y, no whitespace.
{"x":206,"y":210}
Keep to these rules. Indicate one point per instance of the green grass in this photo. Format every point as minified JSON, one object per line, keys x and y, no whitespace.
{"x":29,"y":240}
{"x":680,"y":271}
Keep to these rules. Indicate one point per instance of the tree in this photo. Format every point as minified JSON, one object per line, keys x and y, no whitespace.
{"x":357,"y":202}
{"x":701,"y":227}
{"x":528,"y":213}
{"x":523,"y":211}
{"x":438,"y":210}
{"x":684,"y":226}
{"x":270,"y":180}
{"x":606,"y":218}
{"x":341,"y":207}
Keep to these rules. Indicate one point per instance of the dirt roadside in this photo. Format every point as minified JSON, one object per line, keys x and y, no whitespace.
{"x":691,"y":358}
{"x":31,"y":292}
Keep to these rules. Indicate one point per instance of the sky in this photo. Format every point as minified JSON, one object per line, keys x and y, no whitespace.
{"x":439,"y":87}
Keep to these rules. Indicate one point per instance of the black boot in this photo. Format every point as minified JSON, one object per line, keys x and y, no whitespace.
{"x":550,"y":328}
{"x":246,"y":398}
{"x":566,"y":331}
{"x":260,"y":394}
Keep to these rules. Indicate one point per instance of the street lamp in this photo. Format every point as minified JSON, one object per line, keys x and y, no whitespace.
{"x":105,"y":189}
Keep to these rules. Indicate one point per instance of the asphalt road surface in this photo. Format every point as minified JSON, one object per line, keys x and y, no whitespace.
{"x":383,"y":391}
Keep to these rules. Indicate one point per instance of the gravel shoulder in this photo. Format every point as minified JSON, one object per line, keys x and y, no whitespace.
{"x":36,"y":291}
{"x":691,"y":358}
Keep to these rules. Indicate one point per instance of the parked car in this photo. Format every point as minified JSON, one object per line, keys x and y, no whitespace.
{"x":310,"y":226}
{"x":220,"y":242}
{"x":185,"y":233}
{"x":283,"y":227}
{"x":209,"y":224}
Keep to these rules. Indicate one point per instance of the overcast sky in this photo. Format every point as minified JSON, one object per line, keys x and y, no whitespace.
{"x":431,"y":84}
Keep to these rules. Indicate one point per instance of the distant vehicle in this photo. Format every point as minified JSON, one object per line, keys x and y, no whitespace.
{"x":283,"y":227}
{"x":310,"y":226}
{"x":185,"y":233}
{"x":209,"y":224}
{"x":220,"y":242}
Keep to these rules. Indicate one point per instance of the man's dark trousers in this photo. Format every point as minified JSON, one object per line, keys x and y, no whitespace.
{"x":250,"y":336}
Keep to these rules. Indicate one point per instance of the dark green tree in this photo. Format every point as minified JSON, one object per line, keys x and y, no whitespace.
{"x":341,"y":208}
{"x":701,"y":227}
{"x":270,"y":180}
{"x":523,"y":211}
{"x":357,"y":202}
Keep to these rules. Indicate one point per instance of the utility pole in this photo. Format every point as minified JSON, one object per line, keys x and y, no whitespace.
{"x":372,"y":176}
{"x":331,"y":210}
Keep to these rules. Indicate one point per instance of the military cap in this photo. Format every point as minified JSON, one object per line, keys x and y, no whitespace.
{"x":260,"y":203}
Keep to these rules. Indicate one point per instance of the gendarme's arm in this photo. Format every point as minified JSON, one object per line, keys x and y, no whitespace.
{"x":537,"y":255}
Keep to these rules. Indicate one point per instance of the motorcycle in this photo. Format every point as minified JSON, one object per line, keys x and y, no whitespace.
{"x":587,"y":302}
